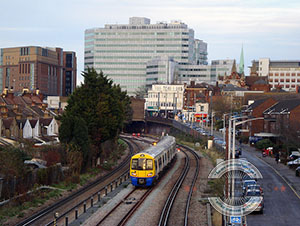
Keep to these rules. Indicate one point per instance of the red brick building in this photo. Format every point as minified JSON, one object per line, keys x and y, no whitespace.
{"x":283,"y":117}
{"x":256,"y":110}
{"x":51,"y":70}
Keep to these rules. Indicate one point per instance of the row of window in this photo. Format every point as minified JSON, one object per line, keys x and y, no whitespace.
{"x":193,"y":76}
{"x":24,"y":51}
{"x":161,"y":104}
{"x":119,"y":63}
{"x":156,"y":66}
{"x":121,"y":69}
{"x":141,"y":51}
{"x":284,"y":74}
{"x":192,"y":69}
{"x":284,"y":80}
{"x":26,"y":84}
{"x":141,"y":45}
{"x":24,"y":78}
{"x":138,"y":39}
{"x":137,"y":33}
{"x":24,"y":68}
{"x":288,"y":86}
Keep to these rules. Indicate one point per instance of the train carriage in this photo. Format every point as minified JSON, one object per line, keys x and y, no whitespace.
{"x":146,"y":167}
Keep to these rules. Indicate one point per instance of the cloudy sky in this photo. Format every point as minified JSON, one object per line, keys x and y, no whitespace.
{"x":266,"y":28}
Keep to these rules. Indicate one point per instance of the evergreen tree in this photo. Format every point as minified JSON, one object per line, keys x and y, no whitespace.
{"x":95,"y":113}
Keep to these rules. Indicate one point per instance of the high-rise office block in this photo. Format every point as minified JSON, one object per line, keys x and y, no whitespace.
{"x":122,"y":51}
{"x":51,"y":70}
{"x":200,"y":52}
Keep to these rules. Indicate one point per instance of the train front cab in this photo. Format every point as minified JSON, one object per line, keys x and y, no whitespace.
{"x":142,"y":170}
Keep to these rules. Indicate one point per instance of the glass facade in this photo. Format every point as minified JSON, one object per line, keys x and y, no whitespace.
{"x":122,"y":51}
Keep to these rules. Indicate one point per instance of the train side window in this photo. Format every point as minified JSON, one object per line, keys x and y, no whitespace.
{"x":134,"y":164}
{"x":149,"y":165}
{"x":155,"y":165}
{"x":159,"y":161}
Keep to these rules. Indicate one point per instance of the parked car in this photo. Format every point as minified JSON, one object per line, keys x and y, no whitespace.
{"x":254,"y":187}
{"x":294,"y":162}
{"x":295,"y":155}
{"x":256,"y":193}
{"x":254,"y":139}
{"x":298,"y":171}
{"x":247,"y":183}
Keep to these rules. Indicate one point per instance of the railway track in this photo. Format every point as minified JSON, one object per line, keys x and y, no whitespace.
{"x":37,"y":218}
{"x":122,"y":212}
{"x":165,"y":213}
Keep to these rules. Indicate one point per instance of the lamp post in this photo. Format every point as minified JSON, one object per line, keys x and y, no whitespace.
{"x":231,"y":152}
{"x":224,"y":125}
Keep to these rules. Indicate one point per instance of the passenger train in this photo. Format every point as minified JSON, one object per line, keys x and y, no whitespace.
{"x":146,"y":167}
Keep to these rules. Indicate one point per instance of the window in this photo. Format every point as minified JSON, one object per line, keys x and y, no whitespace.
{"x":142,"y":164}
{"x":69,"y":60}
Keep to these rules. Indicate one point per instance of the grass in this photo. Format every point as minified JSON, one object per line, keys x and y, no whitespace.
{"x":216,"y":218}
{"x":65,"y":186}
{"x":38,"y":198}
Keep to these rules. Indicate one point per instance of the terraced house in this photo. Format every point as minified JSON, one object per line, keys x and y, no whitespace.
{"x":26,"y":117}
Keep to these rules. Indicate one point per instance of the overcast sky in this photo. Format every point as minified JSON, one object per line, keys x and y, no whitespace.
{"x":266,"y":28}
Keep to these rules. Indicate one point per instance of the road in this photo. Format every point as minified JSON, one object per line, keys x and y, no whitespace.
{"x":282,"y":206}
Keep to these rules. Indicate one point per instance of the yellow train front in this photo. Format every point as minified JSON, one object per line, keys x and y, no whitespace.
{"x":142,"y":170}
{"x":145,"y":167}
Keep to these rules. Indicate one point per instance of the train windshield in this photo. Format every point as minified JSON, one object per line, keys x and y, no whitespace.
{"x":142,"y":164}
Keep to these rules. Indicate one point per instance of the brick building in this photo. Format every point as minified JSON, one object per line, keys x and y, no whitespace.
{"x":51,"y":70}
{"x":283,"y":117}
{"x":256,"y":110}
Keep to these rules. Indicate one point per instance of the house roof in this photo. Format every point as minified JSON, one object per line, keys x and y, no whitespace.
{"x":45,"y":121}
{"x":36,"y":99}
{"x":19,"y":101}
{"x":230,"y":87}
{"x":27,"y":100}
{"x":37,"y":110}
{"x":7,"y":122}
{"x":21,"y":122}
{"x":284,"y":106}
{"x":250,"y":80}
{"x":260,"y":82}
{"x":256,"y":103}
{"x":33,"y":122}
{"x":8,"y":101}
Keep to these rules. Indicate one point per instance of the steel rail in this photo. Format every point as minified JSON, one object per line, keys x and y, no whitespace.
{"x":170,"y":200}
{"x":197,"y":158}
{"x":47,"y":210}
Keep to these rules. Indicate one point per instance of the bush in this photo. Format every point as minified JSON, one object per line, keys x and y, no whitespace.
{"x":262,"y":144}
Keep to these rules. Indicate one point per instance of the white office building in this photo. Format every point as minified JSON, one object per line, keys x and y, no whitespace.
{"x":165,"y":98}
{"x":222,"y":67}
{"x":161,"y":70}
{"x":122,"y":51}
{"x":280,"y":73}
{"x":200,"y":52}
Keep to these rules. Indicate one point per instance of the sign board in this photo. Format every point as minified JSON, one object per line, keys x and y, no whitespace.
{"x":234,"y":219}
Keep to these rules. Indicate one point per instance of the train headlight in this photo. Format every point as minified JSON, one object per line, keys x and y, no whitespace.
{"x":133,"y":174}
{"x":149,"y":174}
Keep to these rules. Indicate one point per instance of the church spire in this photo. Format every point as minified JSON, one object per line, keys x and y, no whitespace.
{"x":241,"y":65}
